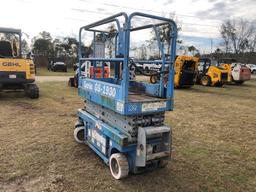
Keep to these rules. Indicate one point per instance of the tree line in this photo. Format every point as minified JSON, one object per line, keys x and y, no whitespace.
{"x":238,"y":41}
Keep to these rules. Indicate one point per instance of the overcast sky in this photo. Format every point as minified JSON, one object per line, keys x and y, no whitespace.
{"x":199,"y":19}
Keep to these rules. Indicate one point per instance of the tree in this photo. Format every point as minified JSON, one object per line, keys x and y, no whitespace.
{"x":86,"y":51}
{"x":237,"y":36}
{"x":226,"y":35}
{"x":110,"y":39}
{"x":217,"y":53}
{"x":24,"y":46}
{"x":42,"y":44}
{"x":69,"y":46}
{"x":43,"y":47}
{"x":193,"y":50}
{"x":58,"y":48}
{"x":143,"y":52}
{"x":252,"y":43}
{"x":165,"y":34}
{"x":45,"y":35}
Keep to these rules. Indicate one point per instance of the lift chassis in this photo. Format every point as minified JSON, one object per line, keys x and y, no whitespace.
{"x":123,"y":120}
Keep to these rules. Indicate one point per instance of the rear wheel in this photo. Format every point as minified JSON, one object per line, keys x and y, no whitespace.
{"x":32,"y":91}
{"x":163,"y":163}
{"x":71,"y":82}
{"x":239,"y":82}
{"x":205,"y":80}
{"x":79,"y":134}
{"x":153,"y":79}
{"x":118,"y":165}
{"x":219,"y":84}
{"x":76,"y":81}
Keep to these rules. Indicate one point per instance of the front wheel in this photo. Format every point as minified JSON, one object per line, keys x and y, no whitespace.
{"x":118,"y":165}
{"x":205,"y":80}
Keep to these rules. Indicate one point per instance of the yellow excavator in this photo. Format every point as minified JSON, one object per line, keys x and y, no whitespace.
{"x":211,"y":75}
{"x":16,"y":73}
{"x":185,"y":68}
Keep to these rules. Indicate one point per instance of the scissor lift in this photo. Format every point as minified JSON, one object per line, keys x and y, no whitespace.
{"x":123,"y":120}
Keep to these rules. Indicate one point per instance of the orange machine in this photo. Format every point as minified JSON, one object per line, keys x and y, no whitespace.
{"x":98,"y":72}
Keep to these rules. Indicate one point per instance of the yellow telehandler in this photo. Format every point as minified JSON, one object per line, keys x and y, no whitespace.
{"x":16,"y":73}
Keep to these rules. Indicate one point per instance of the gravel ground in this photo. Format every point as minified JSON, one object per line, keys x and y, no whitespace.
{"x":52,"y":78}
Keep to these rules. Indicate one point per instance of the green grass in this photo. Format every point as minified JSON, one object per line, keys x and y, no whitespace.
{"x":44,"y":72}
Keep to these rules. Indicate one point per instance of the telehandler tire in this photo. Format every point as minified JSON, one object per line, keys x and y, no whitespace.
{"x":205,"y":80}
{"x":239,"y":82}
{"x":32,"y":91}
{"x":163,"y":163}
{"x":118,"y":165}
{"x":219,"y":84}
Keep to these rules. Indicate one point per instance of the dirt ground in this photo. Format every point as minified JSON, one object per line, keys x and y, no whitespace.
{"x":52,"y":78}
{"x":214,"y":139}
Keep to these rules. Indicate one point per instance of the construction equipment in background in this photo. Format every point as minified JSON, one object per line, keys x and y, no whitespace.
{"x":238,"y":73}
{"x":123,"y":120}
{"x":16,"y":73}
{"x":87,"y":70}
{"x":185,"y":72}
{"x":211,"y":75}
{"x":252,"y":68}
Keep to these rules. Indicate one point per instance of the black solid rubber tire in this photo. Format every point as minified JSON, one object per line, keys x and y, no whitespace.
{"x":239,"y":82}
{"x":219,"y":84}
{"x":76,"y":81}
{"x":32,"y":91}
{"x":205,"y":78}
{"x":163,"y":163}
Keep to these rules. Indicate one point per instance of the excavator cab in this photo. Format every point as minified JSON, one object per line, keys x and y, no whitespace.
{"x":185,"y":68}
{"x":16,"y":73}
{"x":185,"y":71}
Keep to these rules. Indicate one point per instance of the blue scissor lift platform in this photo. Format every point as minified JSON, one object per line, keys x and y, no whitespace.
{"x":123,"y":120}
